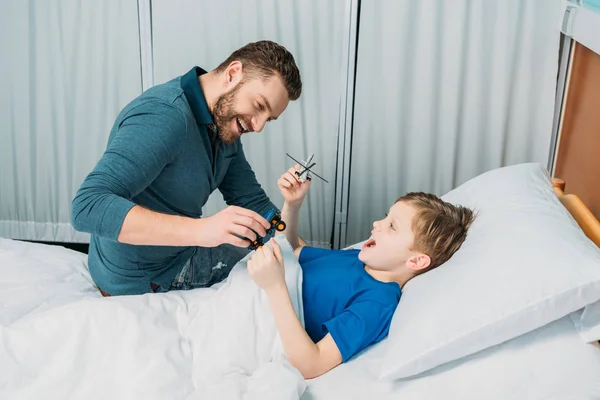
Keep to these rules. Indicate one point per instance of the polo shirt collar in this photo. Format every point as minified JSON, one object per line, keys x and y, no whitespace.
{"x":195,"y":96}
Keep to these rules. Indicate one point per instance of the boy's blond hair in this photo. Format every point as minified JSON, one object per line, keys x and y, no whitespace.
{"x":440,"y":228}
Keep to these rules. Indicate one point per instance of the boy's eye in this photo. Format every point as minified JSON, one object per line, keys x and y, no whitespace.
{"x":260,"y":106}
{"x":391,"y":224}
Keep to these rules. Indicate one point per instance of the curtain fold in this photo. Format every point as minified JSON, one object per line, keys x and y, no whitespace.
{"x":68,"y":67}
{"x":446,"y":91}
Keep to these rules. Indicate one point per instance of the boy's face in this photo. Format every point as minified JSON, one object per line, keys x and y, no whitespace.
{"x":391,"y":240}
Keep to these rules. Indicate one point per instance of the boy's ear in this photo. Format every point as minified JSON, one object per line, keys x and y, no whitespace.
{"x":418,"y":262}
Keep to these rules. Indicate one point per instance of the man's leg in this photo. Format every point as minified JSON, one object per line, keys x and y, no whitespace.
{"x":208,"y":265}
{"x":153,"y":286}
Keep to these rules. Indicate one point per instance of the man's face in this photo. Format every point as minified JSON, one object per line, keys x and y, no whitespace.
{"x":248,"y":106}
{"x":391,"y":239}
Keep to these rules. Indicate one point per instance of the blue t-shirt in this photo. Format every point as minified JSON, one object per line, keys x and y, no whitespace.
{"x":341,"y":298}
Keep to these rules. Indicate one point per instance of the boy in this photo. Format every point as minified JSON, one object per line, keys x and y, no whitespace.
{"x":350,"y":296}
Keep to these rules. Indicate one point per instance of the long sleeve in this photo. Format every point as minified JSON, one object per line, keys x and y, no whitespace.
{"x":143,"y":142}
{"x":240,"y":187}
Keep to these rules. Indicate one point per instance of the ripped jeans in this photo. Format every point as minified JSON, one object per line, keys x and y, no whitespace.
{"x":206,"y":267}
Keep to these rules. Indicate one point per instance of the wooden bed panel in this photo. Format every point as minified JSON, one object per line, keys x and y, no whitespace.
{"x":580,"y":212}
{"x":578,"y":153}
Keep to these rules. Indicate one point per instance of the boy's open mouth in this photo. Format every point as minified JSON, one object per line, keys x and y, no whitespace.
{"x":369,"y":243}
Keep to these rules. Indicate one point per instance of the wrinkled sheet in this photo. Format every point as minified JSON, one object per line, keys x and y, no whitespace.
{"x":60,"y":339}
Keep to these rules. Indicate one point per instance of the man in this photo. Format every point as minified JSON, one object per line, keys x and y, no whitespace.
{"x":168,"y":150}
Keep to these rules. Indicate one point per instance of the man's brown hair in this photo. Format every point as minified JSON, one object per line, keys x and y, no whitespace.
{"x":265,"y":58}
{"x":440,"y":228}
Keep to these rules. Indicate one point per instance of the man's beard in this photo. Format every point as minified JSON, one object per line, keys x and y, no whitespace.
{"x":224,"y":113}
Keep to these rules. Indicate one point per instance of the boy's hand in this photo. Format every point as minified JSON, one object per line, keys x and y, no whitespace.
{"x":266,"y":266}
{"x":292,"y":190}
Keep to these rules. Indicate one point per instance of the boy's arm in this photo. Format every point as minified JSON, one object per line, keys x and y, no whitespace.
{"x":298,"y":250}
{"x":293,"y":192}
{"x":309,"y":358}
{"x":289,"y":215}
{"x":267,"y":270}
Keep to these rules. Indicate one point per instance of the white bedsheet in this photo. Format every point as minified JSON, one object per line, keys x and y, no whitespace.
{"x":550,"y":363}
{"x":60,"y":339}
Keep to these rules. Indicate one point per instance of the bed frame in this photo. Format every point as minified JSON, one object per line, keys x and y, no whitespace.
{"x":581,"y":213}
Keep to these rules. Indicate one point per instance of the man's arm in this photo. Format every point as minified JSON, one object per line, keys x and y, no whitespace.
{"x":241,"y":188}
{"x":147,"y":140}
{"x":145,"y":227}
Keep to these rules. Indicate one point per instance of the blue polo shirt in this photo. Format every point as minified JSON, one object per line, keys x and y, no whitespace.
{"x":160,"y":156}
{"x":341,"y":298}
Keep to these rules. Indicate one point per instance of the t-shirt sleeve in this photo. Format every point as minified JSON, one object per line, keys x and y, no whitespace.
{"x":360,"y":325}
{"x":312,"y":253}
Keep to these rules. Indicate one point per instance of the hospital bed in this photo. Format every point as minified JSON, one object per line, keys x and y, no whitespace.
{"x":137,"y":346}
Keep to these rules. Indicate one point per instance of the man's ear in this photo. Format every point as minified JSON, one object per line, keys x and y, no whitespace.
{"x":233,"y":75}
{"x":418,"y":262}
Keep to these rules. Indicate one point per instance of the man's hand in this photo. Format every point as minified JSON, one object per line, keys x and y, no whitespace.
{"x":292,"y":190}
{"x":266,"y":267}
{"x":228,"y":225}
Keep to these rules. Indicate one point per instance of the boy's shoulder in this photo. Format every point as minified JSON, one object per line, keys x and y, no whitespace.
{"x":384,"y":293}
{"x":317,"y":252}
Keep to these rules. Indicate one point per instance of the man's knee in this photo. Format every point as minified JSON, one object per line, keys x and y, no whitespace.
{"x":212,"y":265}
{"x":153,"y":286}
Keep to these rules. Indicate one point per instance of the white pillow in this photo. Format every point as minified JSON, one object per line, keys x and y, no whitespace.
{"x":524,"y":264}
{"x":587,"y":322}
